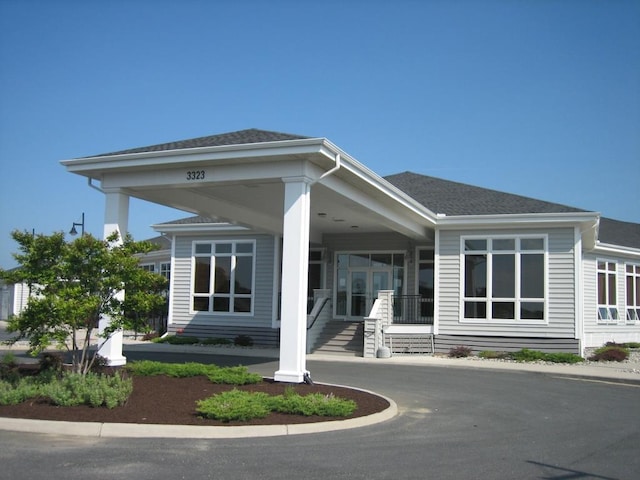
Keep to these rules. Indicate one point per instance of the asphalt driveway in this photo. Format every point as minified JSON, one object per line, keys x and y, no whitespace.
{"x":453,"y":423}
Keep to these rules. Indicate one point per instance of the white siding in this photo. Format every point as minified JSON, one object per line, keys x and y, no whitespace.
{"x":561,"y":288}
{"x":263,"y":295}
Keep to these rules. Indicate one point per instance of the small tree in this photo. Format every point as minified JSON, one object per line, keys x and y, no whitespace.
{"x":72,"y":285}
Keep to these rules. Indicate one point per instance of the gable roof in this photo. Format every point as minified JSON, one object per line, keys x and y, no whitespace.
{"x":251,"y":135}
{"x":453,"y":198}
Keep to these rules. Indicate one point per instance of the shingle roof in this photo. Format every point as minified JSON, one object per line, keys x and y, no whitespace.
{"x":240,"y":137}
{"x":191,"y":221}
{"x":453,"y":198}
{"x":616,"y":232}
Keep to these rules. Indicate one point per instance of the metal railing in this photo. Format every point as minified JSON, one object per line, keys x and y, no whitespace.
{"x":412,"y":310}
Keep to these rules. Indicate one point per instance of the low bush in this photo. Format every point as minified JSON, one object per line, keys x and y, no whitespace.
{"x":526,"y":355}
{"x":490,"y":354}
{"x":243,"y":341}
{"x":610,"y":353}
{"x":177,"y":340}
{"x":70,"y":389}
{"x":225,"y":375}
{"x":237,"y":405}
{"x":460,"y":352}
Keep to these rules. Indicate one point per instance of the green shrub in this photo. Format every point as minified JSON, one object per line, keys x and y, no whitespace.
{"x":234,"y":376}
{"x":610,"y":353}
{"x":460,"y":352}
{"x":313,"y":404}
{"x":51,"y":362}
{"x":562,"y":357}
{"x":242,"y":406}
{"x":235,"y":405}
{"x":526,"y":355}
{"x":146,"y":368}
{"x":490,"y":354}
{"x":226,"y":375}
{"x":243,"y":341}
{"x":177,"y":340}
{"x":90,"y":389}
{"x":12,"y":393}
{"x":632,"y":344}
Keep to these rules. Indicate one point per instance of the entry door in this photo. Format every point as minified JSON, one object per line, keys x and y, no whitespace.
{"x":364,"y":286}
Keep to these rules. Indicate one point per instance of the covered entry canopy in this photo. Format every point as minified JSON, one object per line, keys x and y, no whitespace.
{"x":288,"y":185}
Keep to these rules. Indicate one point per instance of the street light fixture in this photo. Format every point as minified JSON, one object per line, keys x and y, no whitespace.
{"x":73,"y":230}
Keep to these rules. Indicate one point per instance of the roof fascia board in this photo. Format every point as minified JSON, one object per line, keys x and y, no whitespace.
{"x":506,"y":220}
{"x":616,"y":249}
{"x":249,"y":151}
{"x":198,"y":227}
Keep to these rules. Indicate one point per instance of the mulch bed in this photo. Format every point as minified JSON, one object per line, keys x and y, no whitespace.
{"x":166,"y":400}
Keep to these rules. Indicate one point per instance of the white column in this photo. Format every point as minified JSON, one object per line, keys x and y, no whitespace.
{"x":295,"y":268}
{"x":116,"y":219}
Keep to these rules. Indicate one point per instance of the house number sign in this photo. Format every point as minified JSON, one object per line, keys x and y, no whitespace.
{"x":195,"y":175}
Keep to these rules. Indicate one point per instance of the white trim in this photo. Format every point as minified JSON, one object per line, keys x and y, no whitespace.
{"x":277,"y":261}
{"x":608,"y":321}
{"x":172,"y":281}
{"x":578,"y":286}
{"x":232,"y":295}
{"x":517,"y":299}
{"x":436,"y":283}
{"x":608,"y":248}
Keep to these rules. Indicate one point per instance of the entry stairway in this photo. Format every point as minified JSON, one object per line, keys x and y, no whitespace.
{"x":340,"y":338}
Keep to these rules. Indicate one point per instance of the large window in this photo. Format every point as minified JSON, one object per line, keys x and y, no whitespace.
{"x":633,"y":293}
{"x":607,"y":292}
{"x":223,"y":277}
{"x":504,"y":278}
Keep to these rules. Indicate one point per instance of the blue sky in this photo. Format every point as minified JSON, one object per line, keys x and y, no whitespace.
{"x":539,"y":97}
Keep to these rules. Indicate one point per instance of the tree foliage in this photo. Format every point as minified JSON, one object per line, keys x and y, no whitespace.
{"x":73,"y":284}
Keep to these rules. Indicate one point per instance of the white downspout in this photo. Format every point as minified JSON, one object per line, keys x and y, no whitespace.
{"x":330,"y":171}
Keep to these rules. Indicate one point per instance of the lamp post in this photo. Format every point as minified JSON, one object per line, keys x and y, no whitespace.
{"x":73,"y":230}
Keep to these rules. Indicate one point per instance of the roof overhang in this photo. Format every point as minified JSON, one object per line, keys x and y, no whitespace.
{"x":243,"y":185}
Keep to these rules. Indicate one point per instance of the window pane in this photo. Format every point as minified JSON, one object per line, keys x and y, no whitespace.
{"x":612,"y":289}
{"x":223,"y":248}
{"x":356,"y":260}
{"x":244,"y":274}
{"x":531,"y":244}
{"x":475,"y":275}
{"x":602,"y":288}
{"x":315,"y":255}
{"x":504,"y":310}
{"x":603,"y":313}
{"x":504,"y":277}
{"x":637,"y":292}
{"x":343,"y":260}
{"x":398,"y":259}
{"x":380,"y":259}
{"x":203,"y":270}
{"x":241,"y":304}
{"x":630,"y":291}
{"x":504,"y":244}
{"x":203,"y":248}
{"x":532,"y":275}
{"x":341,"y":294}
{"x":223,"y":275}
{"x":244,"y":248}
{"x":425,"y":280}
{"x":221,"y":304}
{"x":532,"y":310}
{"x":201,"y":304}
{"x":470,"y":245}
{"x":475,"y":310}
{"x":315,"y":278}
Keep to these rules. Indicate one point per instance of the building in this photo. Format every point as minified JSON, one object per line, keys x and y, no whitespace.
{"x":291,"y":234}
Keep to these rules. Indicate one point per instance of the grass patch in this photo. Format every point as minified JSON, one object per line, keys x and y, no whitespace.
{"x":177,"y":340}
{"x":238,"y":405}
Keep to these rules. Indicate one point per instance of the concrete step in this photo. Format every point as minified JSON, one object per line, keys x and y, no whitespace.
{"x":340,"y":337}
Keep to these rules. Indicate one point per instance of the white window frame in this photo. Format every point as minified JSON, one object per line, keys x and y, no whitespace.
{"x":165,"y":270}
{"x":632,"y":309}
{"x":149,"y":267}
{"x":517,"y":299}
{"x":607,"y":313}
{"x":232,"y":295}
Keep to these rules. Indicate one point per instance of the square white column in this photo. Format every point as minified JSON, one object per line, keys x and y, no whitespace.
{"x":295,"y":268}
{"x":116,"y":219}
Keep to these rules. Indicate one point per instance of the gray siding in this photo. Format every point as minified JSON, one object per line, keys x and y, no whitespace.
{"x":561,"y":288}
{"x":263,"y":297}
{"x":597,"y":334}
{"x":444,"y":343}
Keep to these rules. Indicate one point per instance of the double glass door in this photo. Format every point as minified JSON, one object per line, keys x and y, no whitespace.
{"x":361,"y":276}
